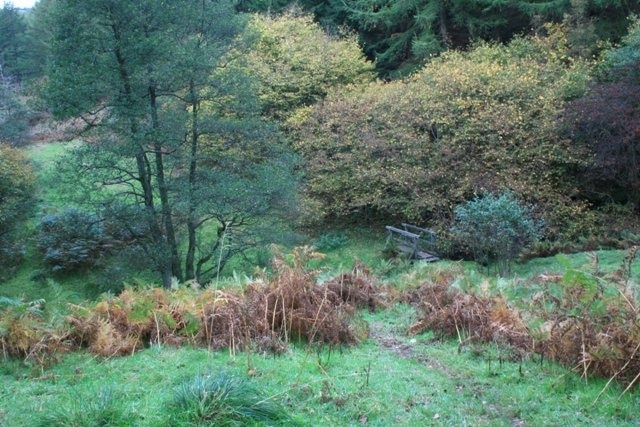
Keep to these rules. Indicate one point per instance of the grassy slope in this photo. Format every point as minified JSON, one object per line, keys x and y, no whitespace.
{"x":388,"y":380}
{"x":29,"y":283}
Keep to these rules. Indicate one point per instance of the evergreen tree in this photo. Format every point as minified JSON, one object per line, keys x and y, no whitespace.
{"x":401,"y":35}
{"x":167,"y":122}
{"x":12,"y":34}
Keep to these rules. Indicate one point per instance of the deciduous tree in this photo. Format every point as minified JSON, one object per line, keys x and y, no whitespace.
{"x":467,"y":123}
{"x":297,"y":63}
{"x":606,"y":121}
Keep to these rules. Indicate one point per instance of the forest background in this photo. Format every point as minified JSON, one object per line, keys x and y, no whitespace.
{"x":200,"y":121}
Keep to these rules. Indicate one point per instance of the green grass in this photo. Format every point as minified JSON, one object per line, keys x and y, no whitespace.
{"x":608,"y":261}
{"x":43,"y":156}
{"x":389,"y":379}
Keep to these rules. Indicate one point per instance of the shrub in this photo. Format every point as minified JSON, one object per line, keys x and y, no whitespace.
{"x":495,"y":228}
{"x":72,"y":239}
{"x":11,"y":256}
{"x":606,"y":122}
{"x":25,"y":332}
{"x":291,"y":306}
{"x":467,"y":123}
{"x":297,"y":63}
{"x":587,"y":319}
{"x":17,"y":184}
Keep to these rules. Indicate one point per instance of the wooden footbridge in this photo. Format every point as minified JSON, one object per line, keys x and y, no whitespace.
{"x":418,"y":243}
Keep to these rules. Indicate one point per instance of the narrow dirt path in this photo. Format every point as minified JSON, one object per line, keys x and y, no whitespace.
{"x":408,"y":351}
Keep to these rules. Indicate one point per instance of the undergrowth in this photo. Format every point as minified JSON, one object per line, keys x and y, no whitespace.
{"x":587,"y":320}
{"x":584,"y":318}
{"x":265,"y":315}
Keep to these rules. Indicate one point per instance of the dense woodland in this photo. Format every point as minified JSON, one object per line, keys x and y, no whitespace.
{"x":211,"y":129}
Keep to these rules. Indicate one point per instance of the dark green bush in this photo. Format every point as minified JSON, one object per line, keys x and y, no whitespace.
{"x":72,"y":239}
{"x":495,"y":228}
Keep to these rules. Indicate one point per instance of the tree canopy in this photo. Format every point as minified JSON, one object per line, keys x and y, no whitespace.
{"x":167,"y":126}
{"x":606,"y":122}
{"x":297,"y":63}
{"x":402,"y":35}
{"x":13,"y":28}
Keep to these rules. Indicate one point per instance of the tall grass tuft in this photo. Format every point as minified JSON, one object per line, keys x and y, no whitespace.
{"x":102,"y":409}
{"x":219,"y":399}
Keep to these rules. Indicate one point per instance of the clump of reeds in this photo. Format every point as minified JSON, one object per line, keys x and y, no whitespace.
{"x":103,"y":407}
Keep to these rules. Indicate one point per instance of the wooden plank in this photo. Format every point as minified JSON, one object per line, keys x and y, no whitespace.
{"x":407,"y":249}
{"x":428,"y":235}
{"x":426,"y":256}
{"x":402,"y":232}
{"x":416,"y":230}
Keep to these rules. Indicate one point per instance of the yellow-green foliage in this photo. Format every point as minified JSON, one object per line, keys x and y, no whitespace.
{"x":298,"y":63}
{"x":17,"y":182}
{"x":468,"y":122}
{"x":24,"y":333}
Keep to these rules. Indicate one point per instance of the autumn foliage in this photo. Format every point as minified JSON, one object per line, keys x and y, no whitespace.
{"x":607,"y":123}
{"x":467,"y":123}
{"x":264,"y":316}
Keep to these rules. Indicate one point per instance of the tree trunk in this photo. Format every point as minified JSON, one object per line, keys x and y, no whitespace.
{"x":142,"y":163}
{"x":167,"y":217}
{"x":192,"y":224}
{"x":444,"y":33}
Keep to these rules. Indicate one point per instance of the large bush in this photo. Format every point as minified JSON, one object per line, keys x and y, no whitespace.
{"x":495,"y":228}
{"x":297,"y":63}
{"x":468,"y":123}
{"x":72,"y":239}
{"x":606,"y":122}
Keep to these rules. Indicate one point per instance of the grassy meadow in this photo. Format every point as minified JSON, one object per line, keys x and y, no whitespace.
{"x":388,"y":377}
